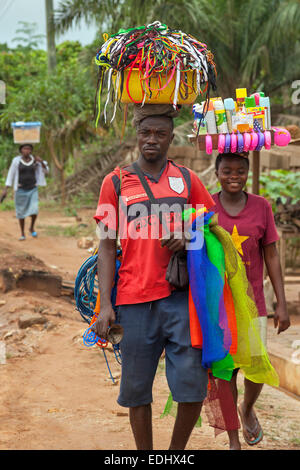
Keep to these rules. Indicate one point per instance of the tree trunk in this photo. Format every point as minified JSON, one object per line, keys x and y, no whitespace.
{"x":62,"y":187}
{"x":50,"y":36}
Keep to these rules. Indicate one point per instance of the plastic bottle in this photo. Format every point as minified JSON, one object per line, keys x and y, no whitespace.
{"x":199,"y":120}
{"x":241,"y":94}
{"x":220,"y":114}
{"x":210,"y":118}
{"x":230,"y":111}
{"x":264,"y":102}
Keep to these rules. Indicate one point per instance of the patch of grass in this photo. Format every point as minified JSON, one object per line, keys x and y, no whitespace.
{"x":70,"y":212}
{"x":295,"y":441}
{"x":49,"y":205}
{"x":70,"y":231}
{"x":7,"y":205}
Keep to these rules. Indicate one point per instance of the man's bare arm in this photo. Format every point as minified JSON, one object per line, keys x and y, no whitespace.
{"x":106,"y":273}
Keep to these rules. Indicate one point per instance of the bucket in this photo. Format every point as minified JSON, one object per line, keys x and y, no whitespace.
{"x":159,"y":88}
{"x":26,"y":132}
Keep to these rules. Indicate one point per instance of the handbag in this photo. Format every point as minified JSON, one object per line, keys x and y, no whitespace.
{"x":177,"y":271}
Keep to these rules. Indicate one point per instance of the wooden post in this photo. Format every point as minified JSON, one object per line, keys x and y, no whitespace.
{"x":255,"y":171}
{"x":282,"y":250}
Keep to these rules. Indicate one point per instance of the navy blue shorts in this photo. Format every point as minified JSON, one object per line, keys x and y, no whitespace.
{"x":149,"y":328}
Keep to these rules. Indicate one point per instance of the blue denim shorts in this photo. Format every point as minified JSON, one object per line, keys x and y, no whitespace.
{"x":150,"y":328}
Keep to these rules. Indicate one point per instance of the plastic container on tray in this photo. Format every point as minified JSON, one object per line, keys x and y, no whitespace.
{"x":26,"y":132}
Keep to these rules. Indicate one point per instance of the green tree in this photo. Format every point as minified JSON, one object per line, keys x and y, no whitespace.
{"x":29,"y":38}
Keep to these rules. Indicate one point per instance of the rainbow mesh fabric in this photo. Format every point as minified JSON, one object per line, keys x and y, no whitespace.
{"x":223,"y":314}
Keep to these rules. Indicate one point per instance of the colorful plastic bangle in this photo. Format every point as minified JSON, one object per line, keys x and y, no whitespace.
{"x":221,"y":143}
{"x":254,"y":141}
{"x":261,"y":141}
{"x":240,"y":147}
{"x":247,"y":141}
{"x":227,"y":143}
{"x":208,"y":144}
{"x":233,"y":143}
{"x":268,"y":140}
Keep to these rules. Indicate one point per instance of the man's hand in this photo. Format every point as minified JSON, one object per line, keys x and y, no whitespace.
{"x":105,"y":319}
{"x":174,"y":244}
{"x":38,"y":159}
{"x":281,"y":319}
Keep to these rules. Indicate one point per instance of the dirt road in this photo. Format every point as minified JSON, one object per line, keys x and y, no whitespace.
{"x":55,"y":393}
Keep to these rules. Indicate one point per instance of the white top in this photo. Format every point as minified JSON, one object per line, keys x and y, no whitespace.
{"x":13,"y":173}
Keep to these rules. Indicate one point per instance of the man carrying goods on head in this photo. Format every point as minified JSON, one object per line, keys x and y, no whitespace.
{"x":153,"y":313}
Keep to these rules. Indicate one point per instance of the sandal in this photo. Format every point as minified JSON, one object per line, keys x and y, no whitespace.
{"x":256,"y":431}
{"x":33,"y":234}
{"x":22,"y":238}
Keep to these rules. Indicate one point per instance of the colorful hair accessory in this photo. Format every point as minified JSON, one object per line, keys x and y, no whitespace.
{"x":227,"y":143}
{"x":208,"y":144}
{"x":247,"y":141}
{"x":233,"y":143}
{"x":268,"y":140}
{"x":240,"y":139}
{"x":282,"y":137}
{"x":254,"y":141}
{"x":261,"y":141}
{"x":221,"y":143}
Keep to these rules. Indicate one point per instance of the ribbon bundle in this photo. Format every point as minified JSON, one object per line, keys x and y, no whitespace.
{"x":159,"y":54}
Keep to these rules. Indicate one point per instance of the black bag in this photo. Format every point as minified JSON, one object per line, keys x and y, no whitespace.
{"x":177,"y":272}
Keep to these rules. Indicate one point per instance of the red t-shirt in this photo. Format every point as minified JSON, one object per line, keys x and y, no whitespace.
{"x":144,"y":261}
{"x":251,"y":229}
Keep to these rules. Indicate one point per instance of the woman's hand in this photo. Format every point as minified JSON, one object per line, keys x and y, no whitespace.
{"x":3,"y":195}
{"x":281,"y":319}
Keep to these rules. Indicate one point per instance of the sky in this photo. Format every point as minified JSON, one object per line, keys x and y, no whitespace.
{"x":33,"y":11}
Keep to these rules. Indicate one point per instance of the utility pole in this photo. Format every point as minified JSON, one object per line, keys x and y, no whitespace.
{"x":50,"y":36}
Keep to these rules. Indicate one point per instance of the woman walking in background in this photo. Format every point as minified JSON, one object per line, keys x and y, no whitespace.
{"x":25,"y":174}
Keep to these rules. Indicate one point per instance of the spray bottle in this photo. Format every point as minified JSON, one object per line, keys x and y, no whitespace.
{"x":241,"y":94}
{"x":199,"y":120}
{"x":220,"y":114}
{"x":230,"y":111}
{"x":264,"y":102}
{"x":210,"y":118}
